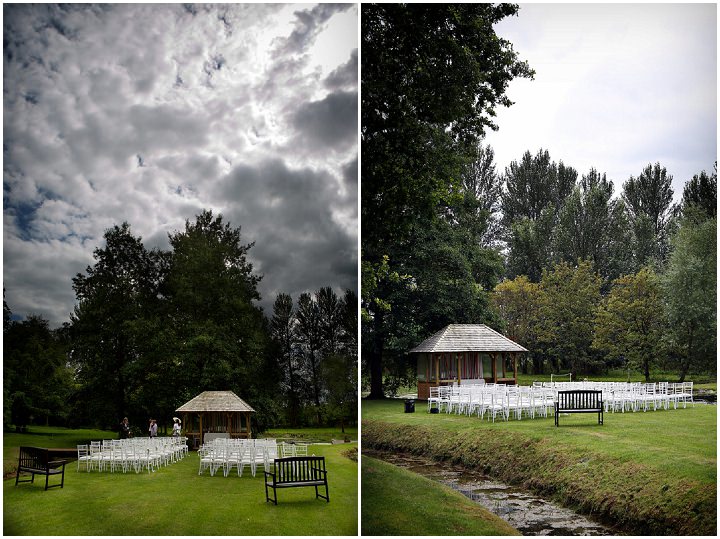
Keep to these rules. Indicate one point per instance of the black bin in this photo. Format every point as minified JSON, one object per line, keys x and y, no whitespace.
{"x":409,"y":406}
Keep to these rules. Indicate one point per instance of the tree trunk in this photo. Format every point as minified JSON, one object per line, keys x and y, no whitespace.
{"x":376,"y":370}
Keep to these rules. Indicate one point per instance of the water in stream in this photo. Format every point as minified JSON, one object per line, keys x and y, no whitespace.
{"x":526,"y":512}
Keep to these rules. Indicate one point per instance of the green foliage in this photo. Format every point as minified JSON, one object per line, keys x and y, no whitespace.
{"x":648,"y":200}
{"x":569,"y":301}
{"x":630,"y":322}
{"x":432,"y":77}
{"x":36,"y":379}
{"x":690,"y":287}
{"x":592,"y":226}
{"x":701,"y":192}
{"x":518,"y":302}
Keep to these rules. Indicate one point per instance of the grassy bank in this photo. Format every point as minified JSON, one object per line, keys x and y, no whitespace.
{"x":651,"y":472}
{"x":175,"y":500}
{"x":432,"y":509}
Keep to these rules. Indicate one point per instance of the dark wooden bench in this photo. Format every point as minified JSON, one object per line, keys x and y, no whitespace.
{"x":36,"y":461}
{"x":579,"y":401}
{"x":289,"y":472}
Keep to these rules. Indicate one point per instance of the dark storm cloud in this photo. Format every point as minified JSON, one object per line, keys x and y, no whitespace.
{"x":330,"y":123}
{"x":289,"y":213}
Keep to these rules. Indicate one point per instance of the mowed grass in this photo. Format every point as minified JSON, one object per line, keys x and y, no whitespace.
{"x":655,"y":468}
{"x":430,"y":509}
{"x":175,"y":500}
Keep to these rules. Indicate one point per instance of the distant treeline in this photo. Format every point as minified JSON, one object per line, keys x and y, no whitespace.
{"x":152,"y":329}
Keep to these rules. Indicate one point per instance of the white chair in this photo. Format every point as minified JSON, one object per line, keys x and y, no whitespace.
{"x":84,"y":457}
{"x":434,"y":398}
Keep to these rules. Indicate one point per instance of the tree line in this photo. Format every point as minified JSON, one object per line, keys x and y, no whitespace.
{"x":151,"y":329}
{"x":584,"y":278}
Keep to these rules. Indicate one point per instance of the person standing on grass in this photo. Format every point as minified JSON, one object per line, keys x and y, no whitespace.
{"x":124,"y":428}
{"x":176,"y":427}
{"x":153,"y":428}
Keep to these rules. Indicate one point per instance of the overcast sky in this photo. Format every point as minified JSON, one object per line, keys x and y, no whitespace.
{"x":151,"y":113}
{"x":617,"y":86}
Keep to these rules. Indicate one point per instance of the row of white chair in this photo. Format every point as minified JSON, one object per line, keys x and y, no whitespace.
{"x":537,"y":400}
{"x":227,"y":453}
{"x":625,"y":396}
{"x":131,"y":454}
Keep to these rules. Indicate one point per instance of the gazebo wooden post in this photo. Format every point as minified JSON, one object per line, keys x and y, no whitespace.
{"x":493,"y":358}
{"x":201,"y":431}
{"x":437,"y":369}
{"x":514,"y":358}
{"x":459,"y":363}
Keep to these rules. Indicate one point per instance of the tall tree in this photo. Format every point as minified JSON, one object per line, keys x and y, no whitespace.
{"x":211,"y":293}
{"x":690,"y":287}
{"x":648,"y":199}
{"x":107,"y":328}
{"x":592,"y":226}
{"x":37,"y":381}
{"x":282,"y":327}
{"x":701,"y":192}
{"x":519,"y":303}
{"x":310,"y":332}
{"x":481,"y":191}
{"x":570,"y":296}
{"x":432,"y":77}
{"x":630,"y":321}
{"x":536,"y":189}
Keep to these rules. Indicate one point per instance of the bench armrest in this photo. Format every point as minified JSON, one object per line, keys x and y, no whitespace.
{"x":272,"y":474}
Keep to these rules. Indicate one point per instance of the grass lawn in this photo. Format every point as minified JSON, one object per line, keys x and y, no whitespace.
{"x":654,"y":468}
{"x":432,"y":509}
{"x":175,"y":500}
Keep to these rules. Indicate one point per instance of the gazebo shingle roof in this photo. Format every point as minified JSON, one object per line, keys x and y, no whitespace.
{"x":216,"y":401}
{"x":467,"y":338}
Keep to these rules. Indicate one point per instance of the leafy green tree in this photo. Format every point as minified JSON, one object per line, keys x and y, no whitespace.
{"x":519,"y":303}
{"x":529,"y":245}
{"x":690,"y":287}
{"x":309,"y":331}
{"x":630,"y":322}
{"x":593,"y":226}
{"x":107,"y":325}
{"x":648,"y":200}
{"x":481,"y":194}
{"x":701,"y":191}
{"x":536,"y":189}
{"x":37,"y":381}
{"x":533,"y":184}
{"x":432,"y":77}
{"x":282,"y":327}
{"x":571,"y":295}
{"x":222,"y":337}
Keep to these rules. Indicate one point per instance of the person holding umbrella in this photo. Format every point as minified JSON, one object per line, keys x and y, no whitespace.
{"x":176,"y":427}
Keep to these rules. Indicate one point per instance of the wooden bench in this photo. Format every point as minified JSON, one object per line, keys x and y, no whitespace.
{"x":289,"y":472}
{"x":579,"y":401}
{"x":36,"y":461}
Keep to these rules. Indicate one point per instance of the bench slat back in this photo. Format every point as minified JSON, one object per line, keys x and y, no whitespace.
{"x":299,"y":469}
{"x":579,"y":399}
{"x":33,"y":457}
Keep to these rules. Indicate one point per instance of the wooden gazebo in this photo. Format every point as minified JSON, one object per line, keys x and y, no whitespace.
{"x":465,"y":353}
{"x":218,"y":412}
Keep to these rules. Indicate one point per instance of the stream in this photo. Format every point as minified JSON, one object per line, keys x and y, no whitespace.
{"x":524,"y":511}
